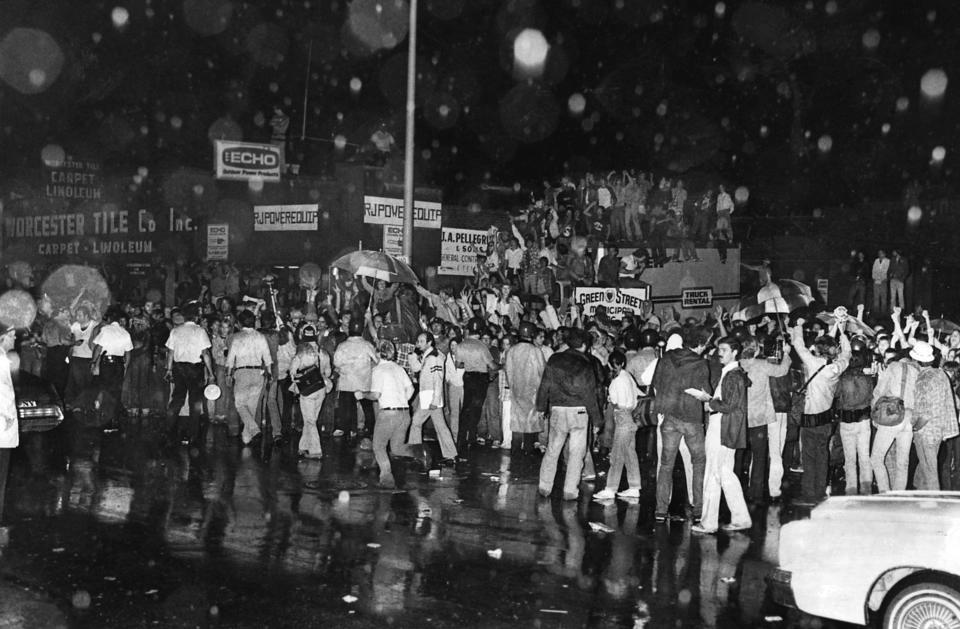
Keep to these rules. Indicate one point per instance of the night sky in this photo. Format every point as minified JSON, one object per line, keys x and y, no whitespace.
{"x":806,"y":104}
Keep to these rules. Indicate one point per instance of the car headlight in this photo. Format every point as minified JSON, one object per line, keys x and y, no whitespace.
{"x":794,"y":541}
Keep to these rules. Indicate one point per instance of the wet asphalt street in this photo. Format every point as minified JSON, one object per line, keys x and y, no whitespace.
{"x":119,"y":532}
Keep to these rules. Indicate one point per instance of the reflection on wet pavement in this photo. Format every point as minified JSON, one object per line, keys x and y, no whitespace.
{"x":225,"y":538}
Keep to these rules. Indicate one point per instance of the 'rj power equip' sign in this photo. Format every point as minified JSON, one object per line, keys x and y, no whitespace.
{"x":243,"y":161}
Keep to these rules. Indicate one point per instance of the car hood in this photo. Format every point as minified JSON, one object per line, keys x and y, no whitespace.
{"x":900,"y":506}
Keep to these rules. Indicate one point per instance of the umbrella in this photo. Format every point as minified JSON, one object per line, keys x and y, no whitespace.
{"x":17,"y":309}
{"x":854,"y":325}
{"x":781,"y":297}
{"x":376,"y":264}
{"x":74,"y":285}
{"x":944,"y":325}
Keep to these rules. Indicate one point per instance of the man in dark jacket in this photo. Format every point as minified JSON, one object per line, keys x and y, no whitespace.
{"x":677,"y":370}
{"x":568,"y":392}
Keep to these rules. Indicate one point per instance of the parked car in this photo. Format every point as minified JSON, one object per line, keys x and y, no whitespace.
{"x":892,"y":558}
{"x":39,"y":407}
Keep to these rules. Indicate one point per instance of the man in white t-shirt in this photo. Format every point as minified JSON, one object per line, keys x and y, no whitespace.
{"x":391,"y":387}
{"x":111,"y":354}
{"x":514,"y":259}
{"x":189,"y":368}
{"x":80,"y":376}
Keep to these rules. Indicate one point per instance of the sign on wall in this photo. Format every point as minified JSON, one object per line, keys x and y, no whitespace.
{"x":92,"y":231}
{"x":699,"y":297}
{"x":281,"y":218}
{"x":459,"y":249}
{"x":218,"y":241}
{"x":823,"y":287}
{"x":617,"y":301}
{"x":73,"y":179}
{"x":388,"y":211}
{"x":393,"y":240}
{"x":243,"y":161}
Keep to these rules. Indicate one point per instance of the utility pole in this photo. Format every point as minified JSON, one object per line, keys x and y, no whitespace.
{"x":409,"y":147}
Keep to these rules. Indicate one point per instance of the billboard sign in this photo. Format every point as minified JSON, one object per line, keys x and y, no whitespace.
{"x":283,"y":218}
{"x":388,"y":211}
{"x":617,"y":301}
{"x":459,"y":249}
{"x":245,"y":161}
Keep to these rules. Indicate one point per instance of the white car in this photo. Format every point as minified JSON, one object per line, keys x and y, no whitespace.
{"x":858,"y":559}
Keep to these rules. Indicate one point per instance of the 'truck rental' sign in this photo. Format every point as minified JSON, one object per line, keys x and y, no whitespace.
{"x":701,"y":297}
{"x":244,"y":161}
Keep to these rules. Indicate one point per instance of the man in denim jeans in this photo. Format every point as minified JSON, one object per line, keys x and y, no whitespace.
{"x":821,"y":370}
{"x":677,"y":370}
{"x":568,"y":391}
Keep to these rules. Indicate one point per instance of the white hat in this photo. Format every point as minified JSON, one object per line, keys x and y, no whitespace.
{"x":922,"y":352}
{"x":675,"y":341}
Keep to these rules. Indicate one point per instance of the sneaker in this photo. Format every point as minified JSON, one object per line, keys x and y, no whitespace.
{"x":732,"y":527}
{"x":632,"y":492}
{"x":606,"y":494}
{"x":337,"y":433}
{"x":588,"y":477}
{"x":797,"y":469}
{"x":677,"y":517}
{"x":698,"y":528}
{"x":660,"y":517}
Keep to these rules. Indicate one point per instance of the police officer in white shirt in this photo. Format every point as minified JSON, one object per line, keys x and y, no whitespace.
{"x":111,"y":354}
{"x":190,"y":368}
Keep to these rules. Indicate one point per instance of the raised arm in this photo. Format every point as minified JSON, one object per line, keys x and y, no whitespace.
{"x":898,"y":339}
{"x":931,"y":337}
{"x":720,"y":326}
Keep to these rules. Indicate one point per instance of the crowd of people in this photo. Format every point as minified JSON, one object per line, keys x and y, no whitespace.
{"x":627,"y":208}
{"x":371,"y":363}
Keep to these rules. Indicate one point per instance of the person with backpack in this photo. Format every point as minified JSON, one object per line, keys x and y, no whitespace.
{"x":854,"y":394}
{"x":896,"y":386}
{"x":311,"y":389}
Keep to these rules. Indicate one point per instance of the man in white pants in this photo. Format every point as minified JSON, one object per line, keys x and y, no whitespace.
{"x":726,"y":432}
{"x":429,"y":402}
